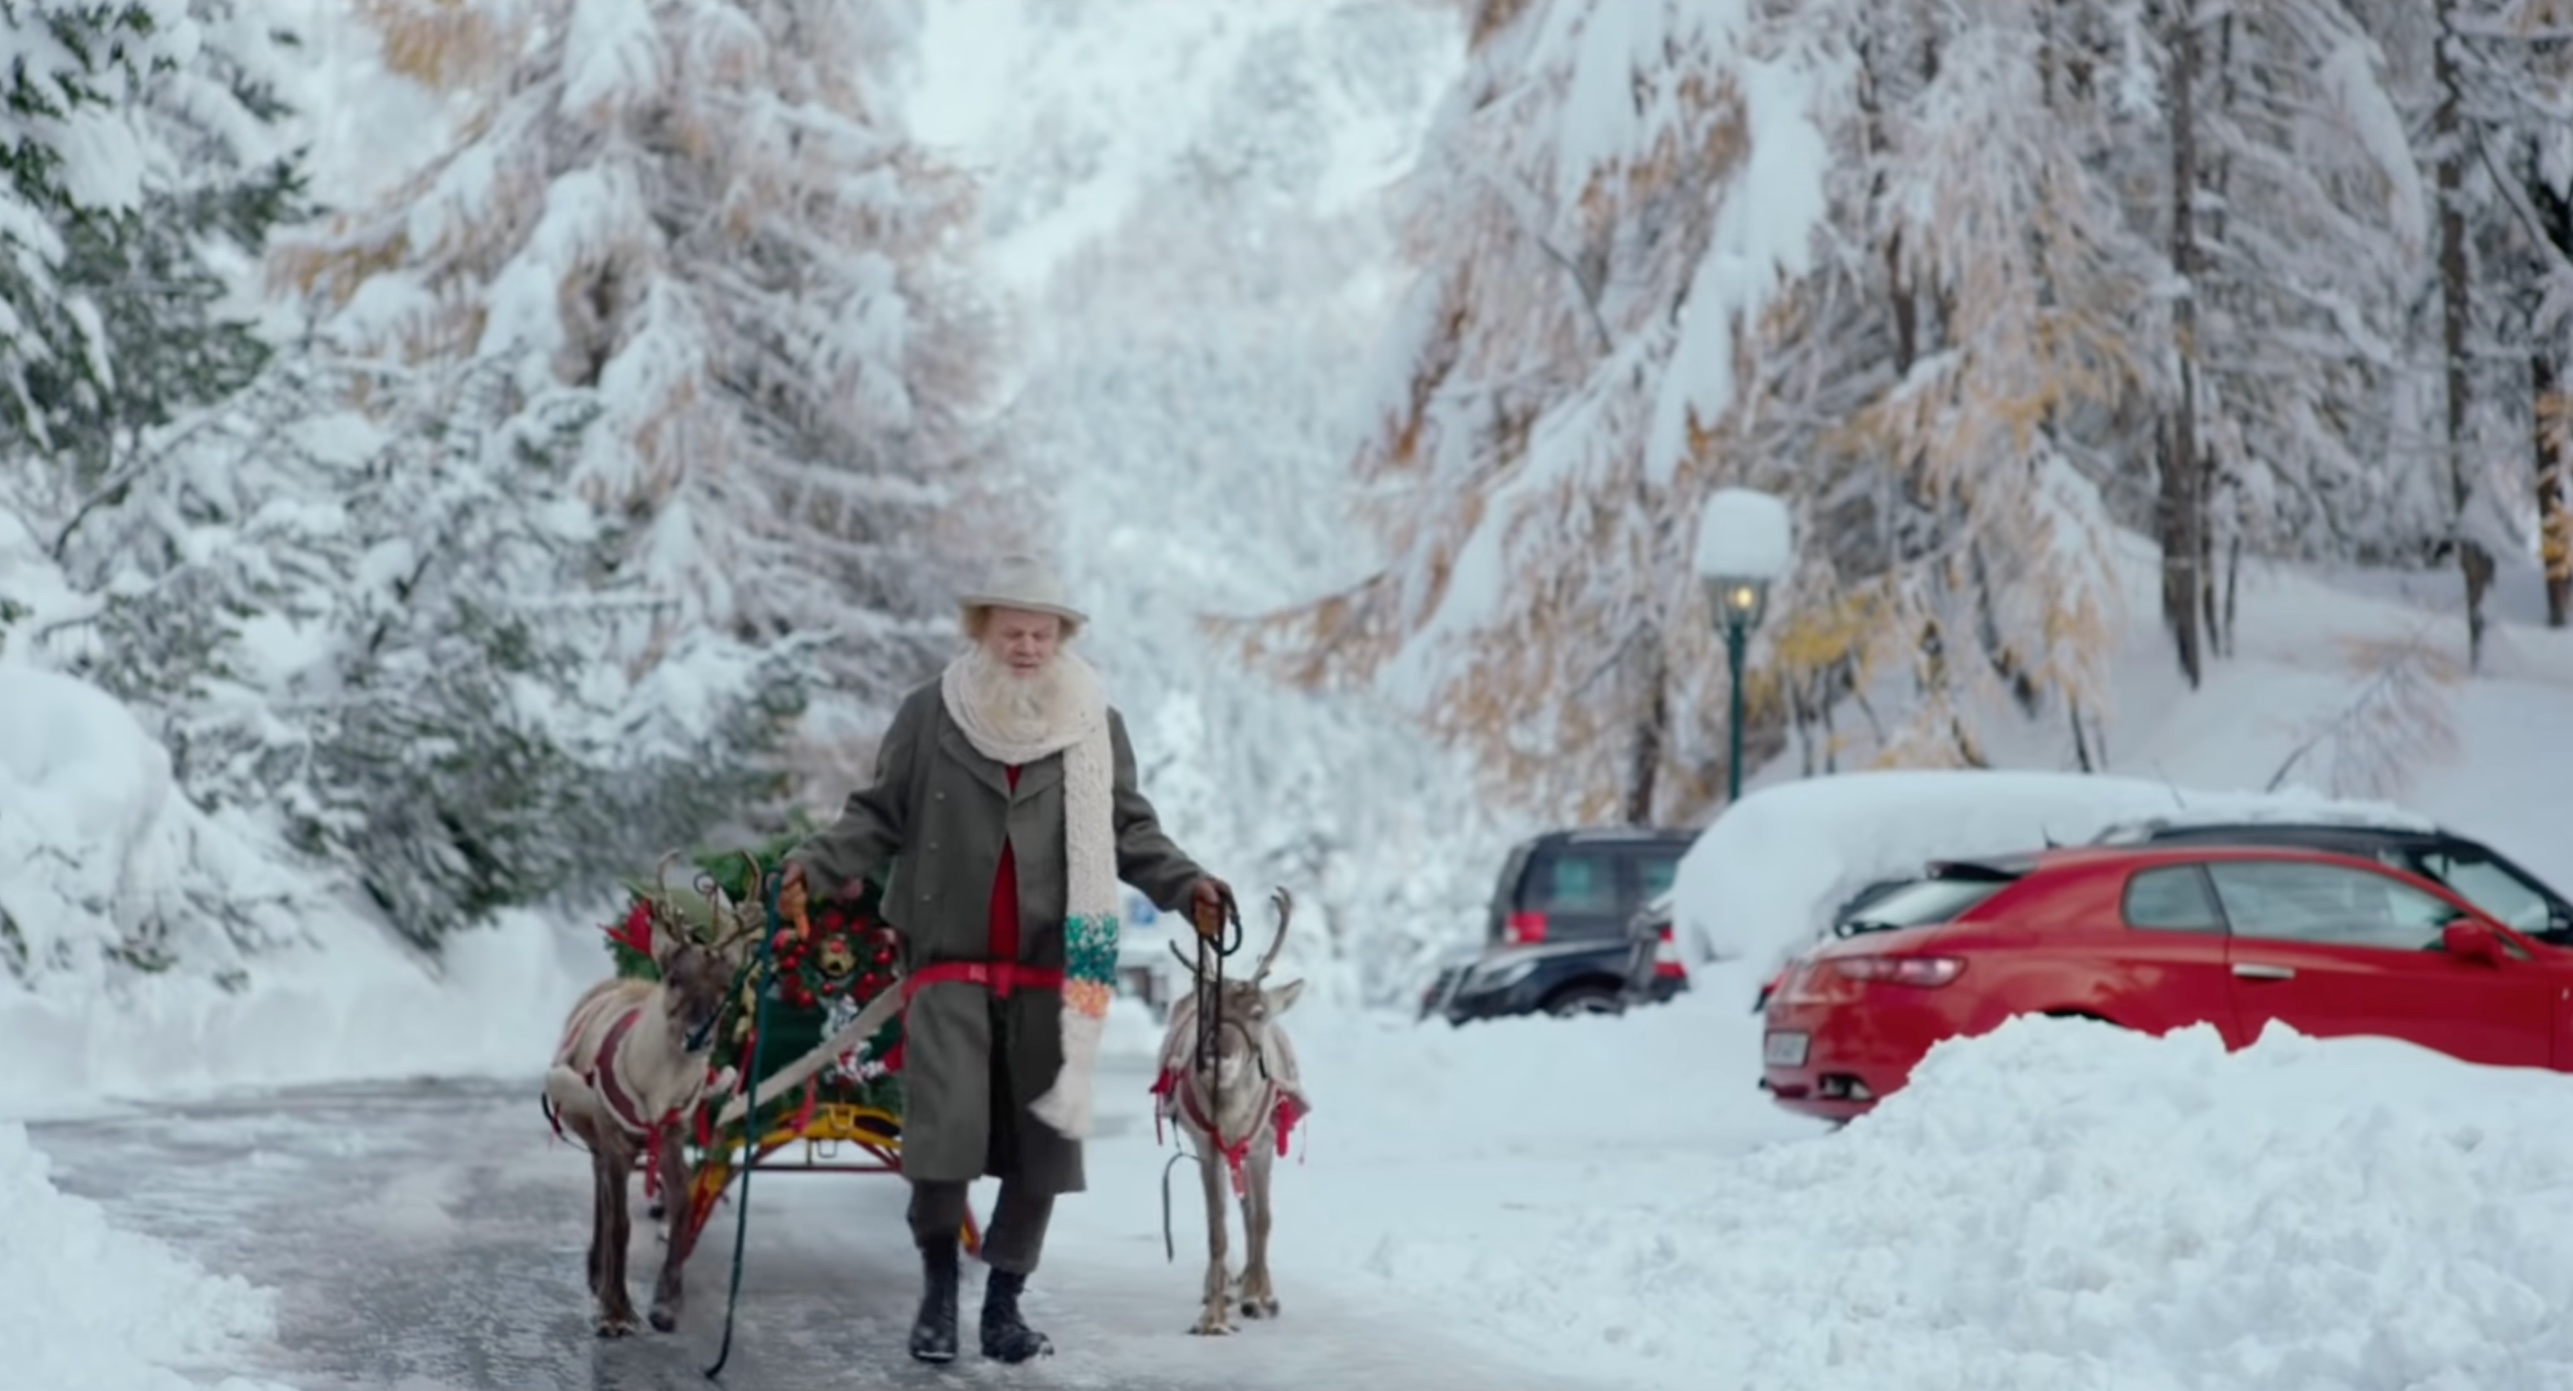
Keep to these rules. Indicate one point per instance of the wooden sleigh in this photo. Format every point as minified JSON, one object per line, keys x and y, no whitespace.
{"x":815,"y":1022}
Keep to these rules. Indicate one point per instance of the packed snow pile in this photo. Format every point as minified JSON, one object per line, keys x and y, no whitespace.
{"x":85,"y":1305}
{"x":2060,"y":1204}
{"x":1762,"y":880}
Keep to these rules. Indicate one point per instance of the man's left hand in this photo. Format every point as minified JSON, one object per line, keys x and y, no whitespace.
{"x":1207,"y":902}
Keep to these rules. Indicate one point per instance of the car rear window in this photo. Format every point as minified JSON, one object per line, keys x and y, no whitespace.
{"x":2173,"y":898}
{"x":1922,"y":903}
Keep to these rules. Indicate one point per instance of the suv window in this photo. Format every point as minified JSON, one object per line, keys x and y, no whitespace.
{"x":1571,"y":881}
{"x":2330,"y":905}
{"x":2173,"y":898}
{"x":1655,"y":871}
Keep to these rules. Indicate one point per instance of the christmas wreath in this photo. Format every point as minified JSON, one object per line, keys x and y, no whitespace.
{"x":826,"y":965}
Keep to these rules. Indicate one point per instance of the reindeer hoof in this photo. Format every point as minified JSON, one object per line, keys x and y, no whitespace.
{"x":1211,"y":1325}
{"x":1259,"y":1308}
{"x":665,"y":1320}
{"x":616,"y":1325}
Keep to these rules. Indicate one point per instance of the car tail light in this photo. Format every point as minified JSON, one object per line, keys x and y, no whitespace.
{"x":1899,"y":970}
{"x":1666,"y":957}
{"x":1527,"y":929}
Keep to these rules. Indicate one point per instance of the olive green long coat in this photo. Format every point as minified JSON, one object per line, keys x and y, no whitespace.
{"x":938,"y":813}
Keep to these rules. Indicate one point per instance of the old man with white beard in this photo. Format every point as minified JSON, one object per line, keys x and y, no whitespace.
{"x":1004,"y":802}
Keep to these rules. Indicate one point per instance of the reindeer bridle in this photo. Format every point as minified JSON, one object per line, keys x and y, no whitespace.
{"x":1208,"y":973}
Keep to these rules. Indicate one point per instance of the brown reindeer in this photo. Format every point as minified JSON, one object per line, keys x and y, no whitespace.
{"x":1236,"y":1100}
{"x":631,"y":1066}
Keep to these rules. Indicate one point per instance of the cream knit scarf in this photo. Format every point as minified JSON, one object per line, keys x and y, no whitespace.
{"x":1080,"y":733}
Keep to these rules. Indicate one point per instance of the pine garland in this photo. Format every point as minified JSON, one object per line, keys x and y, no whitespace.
{"x":847,"y":959}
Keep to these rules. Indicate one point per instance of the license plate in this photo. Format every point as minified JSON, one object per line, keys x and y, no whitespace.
{"x":1784,"y":1050}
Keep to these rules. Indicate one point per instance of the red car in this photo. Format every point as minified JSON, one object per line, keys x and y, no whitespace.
{"x":2155,"y":939}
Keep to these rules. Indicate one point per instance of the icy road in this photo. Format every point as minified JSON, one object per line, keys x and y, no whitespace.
{"x":428,"y":1237}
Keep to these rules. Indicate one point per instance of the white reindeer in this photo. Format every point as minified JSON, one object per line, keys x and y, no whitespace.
{"x":631,"y":1066}
{"x":1234,"y":1105}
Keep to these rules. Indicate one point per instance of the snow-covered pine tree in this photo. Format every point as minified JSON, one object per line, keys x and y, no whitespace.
{"x":142,"y":161}
{"x":380,"y":629}
{"x":2311,"y":233}
{"x":377,"y":631}
{"x":2512,"y":67}
{"x":1984,"y":235}
{"x":701,"y":217}
{"x":2482,"y":92}
{"x":1612,"y":192}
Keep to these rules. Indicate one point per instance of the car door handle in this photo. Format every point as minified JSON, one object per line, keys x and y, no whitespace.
{"x":2261,"y":970}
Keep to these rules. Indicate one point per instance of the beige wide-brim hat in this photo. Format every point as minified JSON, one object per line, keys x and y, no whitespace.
{"x":1023,"y":582}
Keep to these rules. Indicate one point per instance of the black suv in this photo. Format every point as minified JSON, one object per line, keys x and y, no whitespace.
{"x":2475,"y":871}
{"x":1578,"y":925}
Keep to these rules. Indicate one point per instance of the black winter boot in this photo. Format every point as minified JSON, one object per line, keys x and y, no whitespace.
{"x":933,"y":1333}
{"x":1006,"y":1336}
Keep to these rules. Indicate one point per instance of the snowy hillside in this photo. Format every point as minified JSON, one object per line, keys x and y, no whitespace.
{"x":2350,"y":684}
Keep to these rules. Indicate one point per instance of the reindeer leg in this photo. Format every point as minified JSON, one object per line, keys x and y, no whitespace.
{"x":1259,"y":1296}
{"x":1216,"y":1317}
{"x":615,"y":1158}
{"x":598,"y":1221}
{"x":678,"y":1241}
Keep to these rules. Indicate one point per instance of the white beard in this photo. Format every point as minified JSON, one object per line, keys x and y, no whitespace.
{"x":1019,"y":709}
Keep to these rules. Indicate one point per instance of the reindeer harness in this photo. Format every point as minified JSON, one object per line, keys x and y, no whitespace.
{"x":1176,"y":1088}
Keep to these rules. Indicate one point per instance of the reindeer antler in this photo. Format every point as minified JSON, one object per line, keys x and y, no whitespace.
{"x":748,"y":918}
{"x":1284,"y":902}
{"x":661,"y":875}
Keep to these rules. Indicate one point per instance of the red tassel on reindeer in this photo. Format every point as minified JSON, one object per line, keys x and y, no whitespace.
{"x":635,"y":933}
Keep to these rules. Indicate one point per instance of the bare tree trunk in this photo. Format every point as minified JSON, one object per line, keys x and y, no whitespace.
{"x":1652,"y":735}
{"x":1831,"y":737}
{"x":2181,"y":514}
{"x":2233,"y":584}
{"x":2456,"y":305}
{"x":2554,"y":420}
{"x":2209,"y":614}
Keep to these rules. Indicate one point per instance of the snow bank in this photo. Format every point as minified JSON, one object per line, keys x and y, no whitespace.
{"x":86,"y":1307}
{"x":2063,"y":1204}
{"x":1429,"y":1146}
{"x":122,"y":976}
{"x":1759,"y":883}
{"x":102,"y":858}
{"x":365,"y":1009}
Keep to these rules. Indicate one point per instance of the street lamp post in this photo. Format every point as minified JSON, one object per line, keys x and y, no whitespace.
{"x":1745,"y":542}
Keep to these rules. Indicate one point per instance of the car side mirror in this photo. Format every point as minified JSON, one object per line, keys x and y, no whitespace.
{"x":2469,"y":940}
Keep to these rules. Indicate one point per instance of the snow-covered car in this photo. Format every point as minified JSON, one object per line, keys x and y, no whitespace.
{"x":2157,"y":937}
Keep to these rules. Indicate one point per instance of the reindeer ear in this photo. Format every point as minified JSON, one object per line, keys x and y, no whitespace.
{"x":1278,"y":999}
